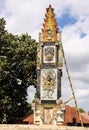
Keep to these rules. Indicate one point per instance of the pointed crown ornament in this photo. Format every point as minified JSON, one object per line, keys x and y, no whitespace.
{"x":50,"y":26}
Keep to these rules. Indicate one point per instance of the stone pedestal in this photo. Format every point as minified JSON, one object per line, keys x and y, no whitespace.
{"x":49,"y":114}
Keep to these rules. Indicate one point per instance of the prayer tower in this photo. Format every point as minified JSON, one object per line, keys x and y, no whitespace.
{"x":49,"y":108}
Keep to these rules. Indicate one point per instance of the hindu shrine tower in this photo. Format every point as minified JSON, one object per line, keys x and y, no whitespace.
{"x":49,"y":108}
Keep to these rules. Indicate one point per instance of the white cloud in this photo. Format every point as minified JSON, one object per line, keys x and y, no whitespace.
{"x":79,"y":8}
{"x":31,"y":93}
{"x":80,"y":93}
{"x":28,"y":16}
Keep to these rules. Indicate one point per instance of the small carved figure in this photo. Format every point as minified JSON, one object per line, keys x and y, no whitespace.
{"x":48,"y":84}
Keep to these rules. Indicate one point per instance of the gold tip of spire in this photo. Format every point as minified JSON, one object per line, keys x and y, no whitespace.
{"x":50,"y":26}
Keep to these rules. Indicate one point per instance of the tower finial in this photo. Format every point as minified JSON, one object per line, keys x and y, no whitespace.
{"x":50,"y":6}
{"x":50,"y":26}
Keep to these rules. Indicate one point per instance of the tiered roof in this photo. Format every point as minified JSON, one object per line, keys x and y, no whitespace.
{"x":50,"y":26}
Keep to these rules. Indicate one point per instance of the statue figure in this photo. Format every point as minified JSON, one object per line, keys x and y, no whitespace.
{"x":48,"y":83}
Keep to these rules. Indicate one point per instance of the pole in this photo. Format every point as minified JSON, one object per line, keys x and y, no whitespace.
{"x":75,"y":101}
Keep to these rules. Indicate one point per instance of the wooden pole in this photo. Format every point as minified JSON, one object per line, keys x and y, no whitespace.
{"x":75,"y":101}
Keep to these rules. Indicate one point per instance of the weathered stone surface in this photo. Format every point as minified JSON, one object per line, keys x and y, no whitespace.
{"x":39,"y":127}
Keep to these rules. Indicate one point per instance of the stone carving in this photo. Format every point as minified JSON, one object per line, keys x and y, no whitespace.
{"x":48,"y":108}
{"x":48,"y":116}
{"x":60,"y":57}
{"x":49,"y":54}
{"x":50,"y":26}
{"x":38,"y":55}
{"x":49,"y":84}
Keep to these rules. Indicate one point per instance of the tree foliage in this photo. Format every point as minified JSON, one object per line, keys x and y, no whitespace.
{"x":17,"y":72}
{"x":81,"y":110}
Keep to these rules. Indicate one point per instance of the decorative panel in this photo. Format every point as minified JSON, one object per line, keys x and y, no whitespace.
{"x":39,"y":54}
{"x":48,"y":115}
{"x":49,"y":54}
{"x":48,"y":84}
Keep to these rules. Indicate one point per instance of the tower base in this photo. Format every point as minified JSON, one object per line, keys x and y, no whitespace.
{"x":48,"y":114}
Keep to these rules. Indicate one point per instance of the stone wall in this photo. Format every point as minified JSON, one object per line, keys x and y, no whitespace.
{"x":43,"y":127}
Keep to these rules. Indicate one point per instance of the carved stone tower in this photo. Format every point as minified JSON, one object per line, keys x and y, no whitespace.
{"x":49,"y":108}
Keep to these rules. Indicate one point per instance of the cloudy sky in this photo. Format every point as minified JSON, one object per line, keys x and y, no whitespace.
{"x":73,"y":21}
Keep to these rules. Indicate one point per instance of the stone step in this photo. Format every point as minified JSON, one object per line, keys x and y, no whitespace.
{"x":41,"y":127}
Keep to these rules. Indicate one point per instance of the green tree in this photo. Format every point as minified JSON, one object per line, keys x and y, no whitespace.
{"x":17,"y":72}
{"x":81,"y":110}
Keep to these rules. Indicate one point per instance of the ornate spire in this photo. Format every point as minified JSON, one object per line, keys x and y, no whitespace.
{"x":50,"y":26}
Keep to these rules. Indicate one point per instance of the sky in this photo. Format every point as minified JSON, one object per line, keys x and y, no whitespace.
{"x":72,"y":16}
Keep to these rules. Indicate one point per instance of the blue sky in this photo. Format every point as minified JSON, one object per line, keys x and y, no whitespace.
{"x":73,"y":21}
{"x":66,"y":19}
